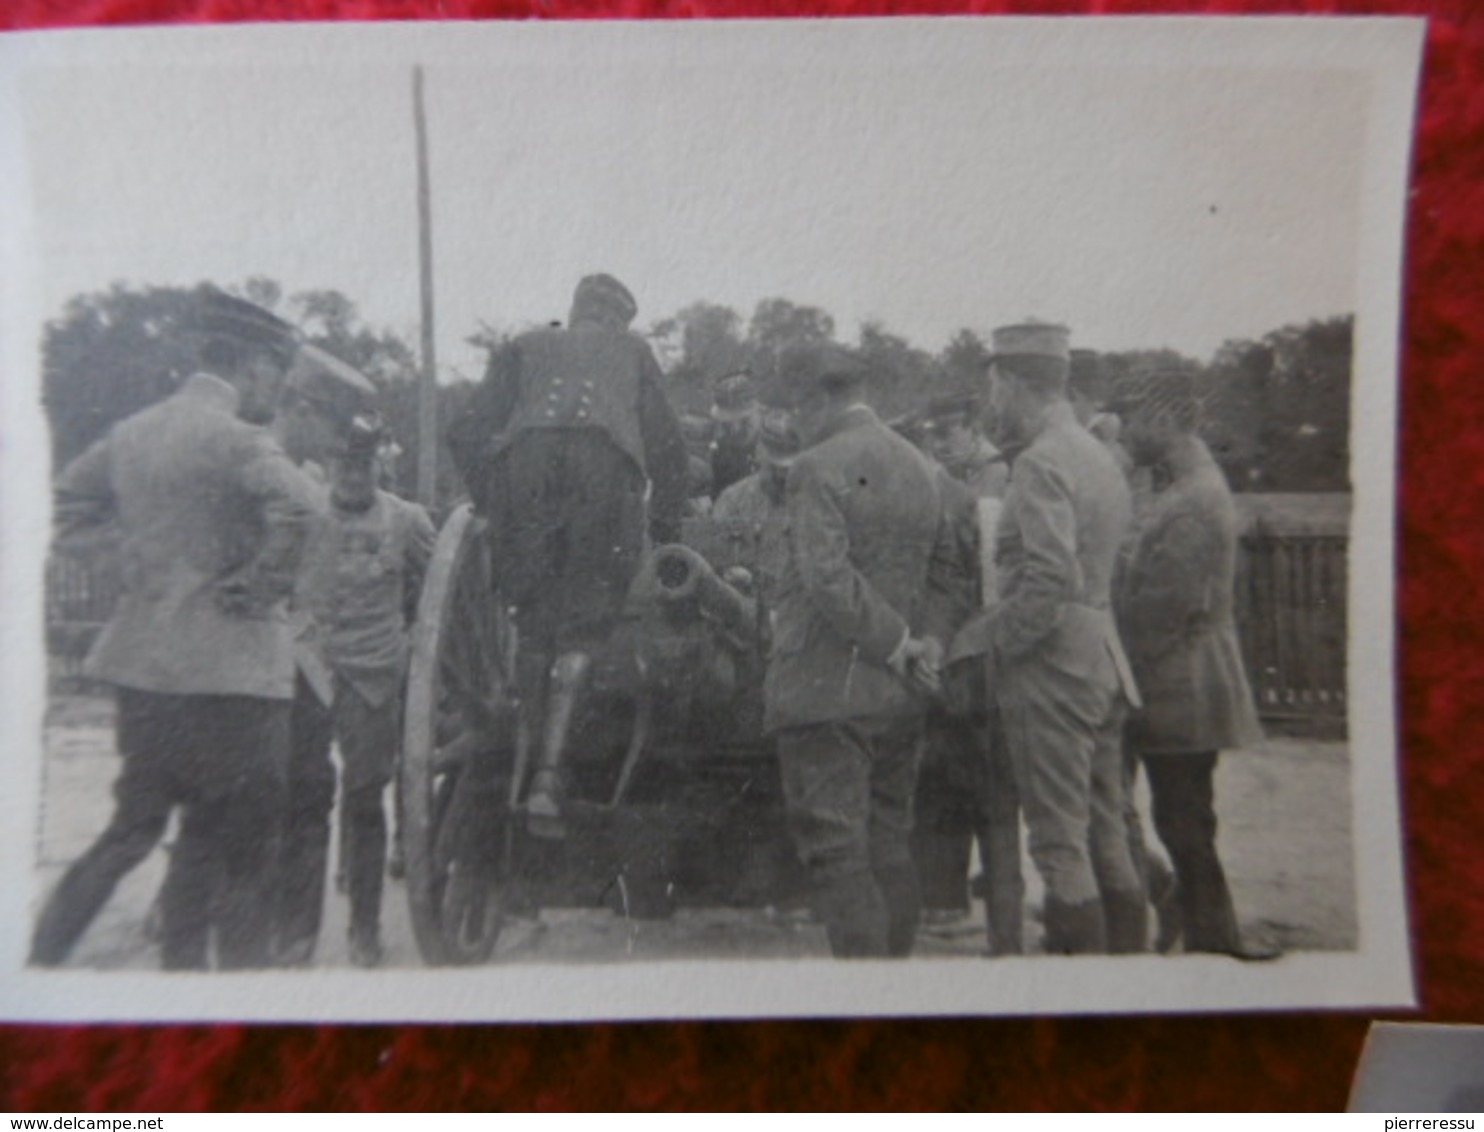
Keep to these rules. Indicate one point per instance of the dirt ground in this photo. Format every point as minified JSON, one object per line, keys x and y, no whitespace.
{"x":1285,"y":840}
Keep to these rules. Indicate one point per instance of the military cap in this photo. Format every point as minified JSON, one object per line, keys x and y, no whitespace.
{"x":1032,"y":339}
{"x":955,"y":397}
{"x":778,"y":441}
{"x":735,"y":397}
{"x":806,"y":368}
{"x":602,"y":291}
{"x":364,"y":437}
{"x":1170,"y":391}
{"x":220,"y":315}
{"x":322,"y":378}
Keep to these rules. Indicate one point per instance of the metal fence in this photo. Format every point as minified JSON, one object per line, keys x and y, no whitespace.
{"x":80,"y":595}
{"x":1292,"y":617}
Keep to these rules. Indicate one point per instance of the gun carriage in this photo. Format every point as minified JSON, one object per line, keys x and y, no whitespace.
{"x":673,"y":792}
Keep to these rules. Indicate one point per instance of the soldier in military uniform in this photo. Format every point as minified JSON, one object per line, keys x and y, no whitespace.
{"x":736,"y":424}
{"x":967,"y":787}
{"x":1174,"y":607}
{"x":212,"y":518}
{"x":758,"y":505}
{"x":858,"y":631}
{"x":322,"y":400}
{"x":1089,"y":390}
{"x":572,"y":452}
{"x":1061,"y":677}
{"x":952,"y":435}
{"x":362,"y":583}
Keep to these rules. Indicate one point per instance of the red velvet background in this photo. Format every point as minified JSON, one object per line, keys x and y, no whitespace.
{"x":1232,"y":1062}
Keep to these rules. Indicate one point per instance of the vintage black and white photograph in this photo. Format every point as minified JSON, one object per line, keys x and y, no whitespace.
{"x":701,"y":519}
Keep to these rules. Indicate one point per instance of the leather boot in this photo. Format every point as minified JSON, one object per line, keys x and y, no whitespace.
{"x":1126,"y":917}
{"x":902,"y":892}
{"x":544,"y":803}
{"x":854,"y":915}
{"x":1075,"y":929}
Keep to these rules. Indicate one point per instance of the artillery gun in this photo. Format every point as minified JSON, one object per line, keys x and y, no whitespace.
{"x":673,"y":789}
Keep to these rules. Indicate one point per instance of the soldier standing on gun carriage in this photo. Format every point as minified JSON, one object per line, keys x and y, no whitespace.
{"x":571,"y":452}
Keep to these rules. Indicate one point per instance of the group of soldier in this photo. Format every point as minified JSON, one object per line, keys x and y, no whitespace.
{"x":1068,"y":623}
{"x":967,"y":634}
{"x":267,"y":587}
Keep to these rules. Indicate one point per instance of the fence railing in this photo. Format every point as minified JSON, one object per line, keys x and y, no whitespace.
{"x":1292,"y":617}
{"x":80,"y":596}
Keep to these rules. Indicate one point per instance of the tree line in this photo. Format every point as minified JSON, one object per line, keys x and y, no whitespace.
{"x":1276,"y":409}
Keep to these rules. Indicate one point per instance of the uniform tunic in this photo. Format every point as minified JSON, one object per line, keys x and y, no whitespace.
{"x":865,"y":527}
{"x":761,"y":512}
{"x":1175,"y":615}
{"x":356,"y":598}
{"x":1175,"y":612}
{"x":1062,"y":679}
{"x":569,"y":448}
{"x":211,"y":518}
{"x":202,"y":502}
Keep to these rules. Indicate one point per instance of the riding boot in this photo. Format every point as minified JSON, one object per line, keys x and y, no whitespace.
{"x":854,"y":915}
{"x":544,"y":803}
{"x":1075,"y":929}
{"x":902,"y":893}
{"x":1127,"y":921}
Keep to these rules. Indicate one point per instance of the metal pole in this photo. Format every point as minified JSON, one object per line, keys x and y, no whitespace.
{"x":427,"y":389}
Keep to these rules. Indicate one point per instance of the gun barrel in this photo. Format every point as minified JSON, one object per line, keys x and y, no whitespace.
{"x":681,"y":576}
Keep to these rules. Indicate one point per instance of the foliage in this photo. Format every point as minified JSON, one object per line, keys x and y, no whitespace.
{"x":1277,"y":409}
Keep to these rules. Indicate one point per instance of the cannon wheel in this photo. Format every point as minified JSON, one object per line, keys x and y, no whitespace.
{"x":463,"y":647}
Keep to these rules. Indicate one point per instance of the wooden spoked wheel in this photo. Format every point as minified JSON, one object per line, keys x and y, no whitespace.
{"x":458,"y":750}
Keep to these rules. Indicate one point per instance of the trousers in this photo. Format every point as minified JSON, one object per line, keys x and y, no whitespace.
{"x":1065,"y":738}
{"x":1181,"y":787}
{"x":219,"y":760}
{"x":848,"y":791}
{"x":370,"y":738}
{"x":304,"y":836}
{"x":966,"y":791}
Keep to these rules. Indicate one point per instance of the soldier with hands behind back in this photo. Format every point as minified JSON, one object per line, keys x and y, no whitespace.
{"x":857,"y":644}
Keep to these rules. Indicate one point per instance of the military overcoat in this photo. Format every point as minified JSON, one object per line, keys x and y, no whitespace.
{"x":1065,"y":516}
{"x":866,"y":534}
{"x":1175,"y":611}
{"x":211,"y":518}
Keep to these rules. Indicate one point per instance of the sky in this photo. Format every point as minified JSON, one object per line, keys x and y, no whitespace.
{"x":932,"y":178}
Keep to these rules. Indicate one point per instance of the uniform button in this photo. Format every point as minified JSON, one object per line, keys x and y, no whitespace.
{"x":557,"y":382}
{"x":587,"y":384}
